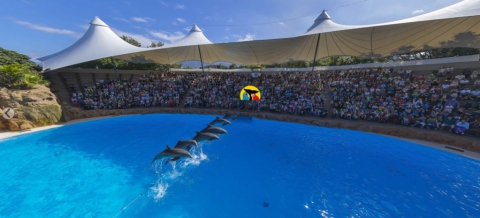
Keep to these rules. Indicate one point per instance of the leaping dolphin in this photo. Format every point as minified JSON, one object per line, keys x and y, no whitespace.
{"x":214,"y":130}
{"x":230,"y":116}
{"x":219,"y":120}
{"x":186,"y":144}
{"x":205,"y":136}
{"x":176,"y":153}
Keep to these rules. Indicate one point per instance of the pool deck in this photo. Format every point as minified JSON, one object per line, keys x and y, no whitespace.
{"x":8,"y":134}
{"x":443,"y":147}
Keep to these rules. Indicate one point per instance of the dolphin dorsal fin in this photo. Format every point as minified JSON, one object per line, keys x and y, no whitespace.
{"x":168,"y":148}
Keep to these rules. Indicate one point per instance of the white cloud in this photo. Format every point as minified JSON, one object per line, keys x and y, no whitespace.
{"x":281,"y":23}
{"x":170,"y":37}
{"x":140,"y":19}
{"x":174,"y":23}
{"x":121,"y":19}
{"x":248,"y":37}
{"x":164,"y":4}
{"x":180,"y":6}
{"x":47,"y":29}
{"x":181,"y":20}
{"x":144,"y":40}
{"x":187,"y":29}
{"x":227,"y":29}
{"x":85,"y":27}
{"x":230,"y":21}
{"x":418,"y":11}
{"x":226,"y":37}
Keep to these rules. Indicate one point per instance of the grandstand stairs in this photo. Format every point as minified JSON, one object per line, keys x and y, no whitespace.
{"x":328,"y":98}
{"x":187,"y":93}
{"x":60,"y":85}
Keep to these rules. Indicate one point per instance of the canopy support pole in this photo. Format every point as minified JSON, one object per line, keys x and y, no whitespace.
{"x":201,"y":60}
{"x":315,"y":55}
{"x":114,"y":67}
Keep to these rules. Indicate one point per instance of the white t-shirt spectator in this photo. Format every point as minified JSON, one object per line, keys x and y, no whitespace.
{"x":445,"y":86}
{"x":476,"y":93}
{"x":465,"y":92}
{"x":464,"y":81}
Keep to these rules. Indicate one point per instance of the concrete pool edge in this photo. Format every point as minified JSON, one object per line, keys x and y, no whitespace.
{"x":424,"y":137}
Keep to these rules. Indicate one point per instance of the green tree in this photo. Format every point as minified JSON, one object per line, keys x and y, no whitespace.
{"x":155,"y":45}
{"x":131,"y":40}
{"x":20,"y":76}
{"x":12,"y":57}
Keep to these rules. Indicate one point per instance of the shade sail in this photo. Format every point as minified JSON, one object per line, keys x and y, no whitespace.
{"x":195,"y":37}
{"x":455,"y":26}
{"x":98,"y":42}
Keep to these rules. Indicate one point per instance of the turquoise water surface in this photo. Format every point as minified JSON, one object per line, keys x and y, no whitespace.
{"x":260,"y":169}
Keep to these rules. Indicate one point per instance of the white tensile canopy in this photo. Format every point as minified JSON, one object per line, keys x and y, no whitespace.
{"x":195,"y":37}
{"x":455,"y":26}
{"x":98,"y":42}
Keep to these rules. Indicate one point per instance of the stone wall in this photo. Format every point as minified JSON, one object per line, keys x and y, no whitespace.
{"x":465,"y":142}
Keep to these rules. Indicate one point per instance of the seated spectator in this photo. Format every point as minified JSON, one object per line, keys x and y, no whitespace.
{"x":432,"y":122}
{"x":454,"y":83}
{"x":449,"y":123}
{"x":461,"y":127}
{"x":464,"y":81}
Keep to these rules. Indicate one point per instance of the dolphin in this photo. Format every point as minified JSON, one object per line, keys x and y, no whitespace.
{"x":205,"y":136}
{"x":230,"y":116}
{"x":219,"y":120}
{"x":186,"y":144}
{"x":214,"y":130}
{"x":176,"y":153}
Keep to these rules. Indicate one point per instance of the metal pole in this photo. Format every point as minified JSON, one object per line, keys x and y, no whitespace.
{"x":201,"y":60}
{"x":114,"y":67}
{"x":315,"y":55}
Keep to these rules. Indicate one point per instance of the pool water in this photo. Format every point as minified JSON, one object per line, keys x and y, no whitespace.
{"x":260,"y":169}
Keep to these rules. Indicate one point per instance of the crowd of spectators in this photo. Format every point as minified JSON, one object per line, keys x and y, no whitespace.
{"x":151,"y":90}
{"x":218,"y":90}
{"x":296,"y":93}
{"x":380,"y":95}
{"x":441,"y":100}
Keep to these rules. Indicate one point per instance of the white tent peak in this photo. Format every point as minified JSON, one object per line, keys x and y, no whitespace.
{"x":98,"y":22}
{"x":323,"y":16}
{"x":195,"y":28}
{"x":195,"y":37}
{"x":99,"y":41}
{"x":324,"y":24}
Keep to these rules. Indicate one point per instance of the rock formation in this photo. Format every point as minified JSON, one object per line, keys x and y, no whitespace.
{"x":33,"y":108}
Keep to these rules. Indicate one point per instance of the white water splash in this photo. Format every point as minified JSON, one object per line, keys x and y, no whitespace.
{"x":167,"y":177}
{"x":159,"y":190}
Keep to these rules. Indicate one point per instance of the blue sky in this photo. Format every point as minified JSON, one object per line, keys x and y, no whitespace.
{"x":38,"y":28}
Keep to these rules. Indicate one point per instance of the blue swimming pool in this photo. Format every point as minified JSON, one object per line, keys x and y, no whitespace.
{"x":260,"y":169}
